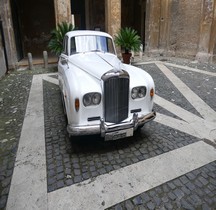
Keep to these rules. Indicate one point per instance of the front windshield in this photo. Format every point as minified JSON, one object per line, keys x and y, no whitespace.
{"x":89,"y":43}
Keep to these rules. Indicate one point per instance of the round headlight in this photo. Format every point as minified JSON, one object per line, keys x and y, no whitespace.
{"x":138,"y":92}
{"x":87,"y":100}
{"x":91,"y":99}
{"x":96,"y":98}
{"x":134,"y":93}
{"x":142,"y":92}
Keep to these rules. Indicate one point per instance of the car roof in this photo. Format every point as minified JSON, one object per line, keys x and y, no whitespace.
{"x":86,"y":32}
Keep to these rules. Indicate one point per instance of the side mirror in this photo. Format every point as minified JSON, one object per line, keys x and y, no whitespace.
{"x":64,"y":61}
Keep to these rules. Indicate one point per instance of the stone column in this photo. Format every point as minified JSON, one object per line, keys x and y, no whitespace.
{"x":63,"y":11}
{"x":112,"y":16}
{"x":153,"y":11}
{"x":212,"y":44}
{"x":164,"y":24}
{"x":203,"y":54}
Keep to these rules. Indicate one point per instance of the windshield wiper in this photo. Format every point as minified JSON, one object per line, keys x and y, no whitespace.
{"x":97,"y":50}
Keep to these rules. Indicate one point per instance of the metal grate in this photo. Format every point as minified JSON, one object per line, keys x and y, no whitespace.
{"x":116,"y":93}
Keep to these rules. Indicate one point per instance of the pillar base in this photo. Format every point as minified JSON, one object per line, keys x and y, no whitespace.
{"x":155,"y":52}
{"x":203,"y":57}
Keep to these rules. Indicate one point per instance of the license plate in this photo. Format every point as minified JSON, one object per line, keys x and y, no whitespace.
{"x":119,"y":134}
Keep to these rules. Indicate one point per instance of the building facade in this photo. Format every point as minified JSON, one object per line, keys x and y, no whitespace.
{"x":167,"y":27}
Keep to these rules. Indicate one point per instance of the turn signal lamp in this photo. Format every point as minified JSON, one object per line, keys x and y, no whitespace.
{"x":77,"y":104}
{"x":152,"y":92}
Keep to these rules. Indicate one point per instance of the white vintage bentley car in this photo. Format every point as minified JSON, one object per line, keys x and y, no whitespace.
{"x":100,"y":94}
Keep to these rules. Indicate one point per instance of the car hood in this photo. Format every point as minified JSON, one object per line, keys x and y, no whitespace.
{"x":96,"y":63}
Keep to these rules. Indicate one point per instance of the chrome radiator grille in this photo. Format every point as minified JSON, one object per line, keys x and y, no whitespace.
{"x":116,"y":93}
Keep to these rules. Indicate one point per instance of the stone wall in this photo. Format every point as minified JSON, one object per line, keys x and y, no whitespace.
{"x":172,"y":27}
{"x":181,"y":28}
{"x":185,"y":27}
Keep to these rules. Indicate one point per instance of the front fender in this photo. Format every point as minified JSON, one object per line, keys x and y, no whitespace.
{"x":77,"y":84}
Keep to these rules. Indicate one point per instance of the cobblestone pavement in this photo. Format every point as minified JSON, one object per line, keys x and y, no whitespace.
{"x":71,"y":162}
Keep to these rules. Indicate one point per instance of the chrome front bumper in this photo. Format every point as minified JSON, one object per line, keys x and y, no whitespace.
{"x":105,"y":127}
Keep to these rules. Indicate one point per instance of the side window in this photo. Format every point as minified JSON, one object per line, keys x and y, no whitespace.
{"x":73,"y":46}
{"x":65,"y":45}
{"x":110,"y":46}
{"x":102,"y":43}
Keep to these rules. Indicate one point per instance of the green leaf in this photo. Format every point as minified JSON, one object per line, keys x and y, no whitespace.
{"x":57,"y":36}
{"x":128,"y":39}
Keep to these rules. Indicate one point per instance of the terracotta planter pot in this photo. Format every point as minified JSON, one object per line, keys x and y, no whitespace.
{"x":126,"y":57}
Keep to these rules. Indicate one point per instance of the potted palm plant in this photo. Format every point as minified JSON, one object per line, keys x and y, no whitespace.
{"x":128,"y":39}
{"x":57,"y":36}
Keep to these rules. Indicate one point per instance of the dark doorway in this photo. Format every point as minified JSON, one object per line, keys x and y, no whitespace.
{"x":78,"y":10}
{"x":133,"y":15}
{"x":33,"y":22}
{"x":17,"y":31}
{"x":89,"y":14}
{"x":96,"y":14}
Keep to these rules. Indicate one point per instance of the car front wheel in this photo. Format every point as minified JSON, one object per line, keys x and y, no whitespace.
{"x":63,"y":106}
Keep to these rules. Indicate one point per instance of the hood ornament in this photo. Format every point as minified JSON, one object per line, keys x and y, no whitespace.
{"x":117,"y":67}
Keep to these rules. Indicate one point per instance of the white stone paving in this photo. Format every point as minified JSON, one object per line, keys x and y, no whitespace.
{"x":191,"y":69}
{"x":28,"y":188}
{"x":29,"y":184}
